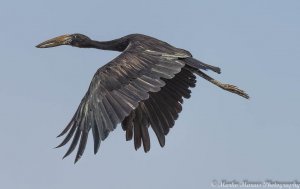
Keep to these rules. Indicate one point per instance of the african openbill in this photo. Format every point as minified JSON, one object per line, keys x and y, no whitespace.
{"x":142,"y":87}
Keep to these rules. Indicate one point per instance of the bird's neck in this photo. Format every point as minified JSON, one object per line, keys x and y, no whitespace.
{"x":114,"y":45}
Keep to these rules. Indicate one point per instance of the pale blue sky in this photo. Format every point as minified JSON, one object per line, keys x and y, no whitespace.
{"x":217,"y":136}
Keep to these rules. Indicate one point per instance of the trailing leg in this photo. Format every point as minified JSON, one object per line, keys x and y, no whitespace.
{"x":227,"y":87}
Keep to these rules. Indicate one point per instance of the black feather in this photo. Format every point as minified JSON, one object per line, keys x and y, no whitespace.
{"x":154,"y":121}
{"x":96,"y":137}
{"x":111,"y":113}
{"x":68,"y":137}
{"x":74,"y":142}
{"x":137,"y":133}
{"x":82,"y":144}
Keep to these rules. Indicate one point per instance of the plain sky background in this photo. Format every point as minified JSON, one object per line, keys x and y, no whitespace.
{"x":217,"y":136}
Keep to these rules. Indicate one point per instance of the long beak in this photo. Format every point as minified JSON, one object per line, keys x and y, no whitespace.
{"x":60,"y":40}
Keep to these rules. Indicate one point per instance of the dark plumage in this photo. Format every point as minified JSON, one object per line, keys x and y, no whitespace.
{"x":143,"y":87}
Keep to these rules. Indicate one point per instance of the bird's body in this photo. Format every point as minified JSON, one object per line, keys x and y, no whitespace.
{"x":141,"y":88}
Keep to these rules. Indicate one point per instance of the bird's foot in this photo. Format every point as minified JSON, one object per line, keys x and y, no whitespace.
{"x":234,"y":89}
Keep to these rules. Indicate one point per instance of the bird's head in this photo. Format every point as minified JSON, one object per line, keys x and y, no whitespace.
{"x":77,"y":40}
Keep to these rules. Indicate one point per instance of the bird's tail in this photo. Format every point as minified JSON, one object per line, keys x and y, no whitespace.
{"x":194,"y":63}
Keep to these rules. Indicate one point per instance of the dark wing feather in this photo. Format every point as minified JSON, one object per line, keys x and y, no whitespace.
{"x":116,"y":91}
{"x":160,"y":110}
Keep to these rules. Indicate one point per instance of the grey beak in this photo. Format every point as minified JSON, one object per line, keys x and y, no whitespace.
{"x":57,"y":41}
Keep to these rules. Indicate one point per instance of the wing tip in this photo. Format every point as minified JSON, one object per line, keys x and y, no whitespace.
{"x":77,"y":159}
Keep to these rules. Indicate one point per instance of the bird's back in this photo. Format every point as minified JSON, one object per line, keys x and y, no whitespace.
{"x":136,"y":46}
{"x":152,"y":44}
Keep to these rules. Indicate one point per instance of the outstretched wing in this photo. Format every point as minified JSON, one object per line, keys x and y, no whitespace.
{"x":115,"y":92}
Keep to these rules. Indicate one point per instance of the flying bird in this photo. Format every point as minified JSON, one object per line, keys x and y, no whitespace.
{"x":143,"y":87}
